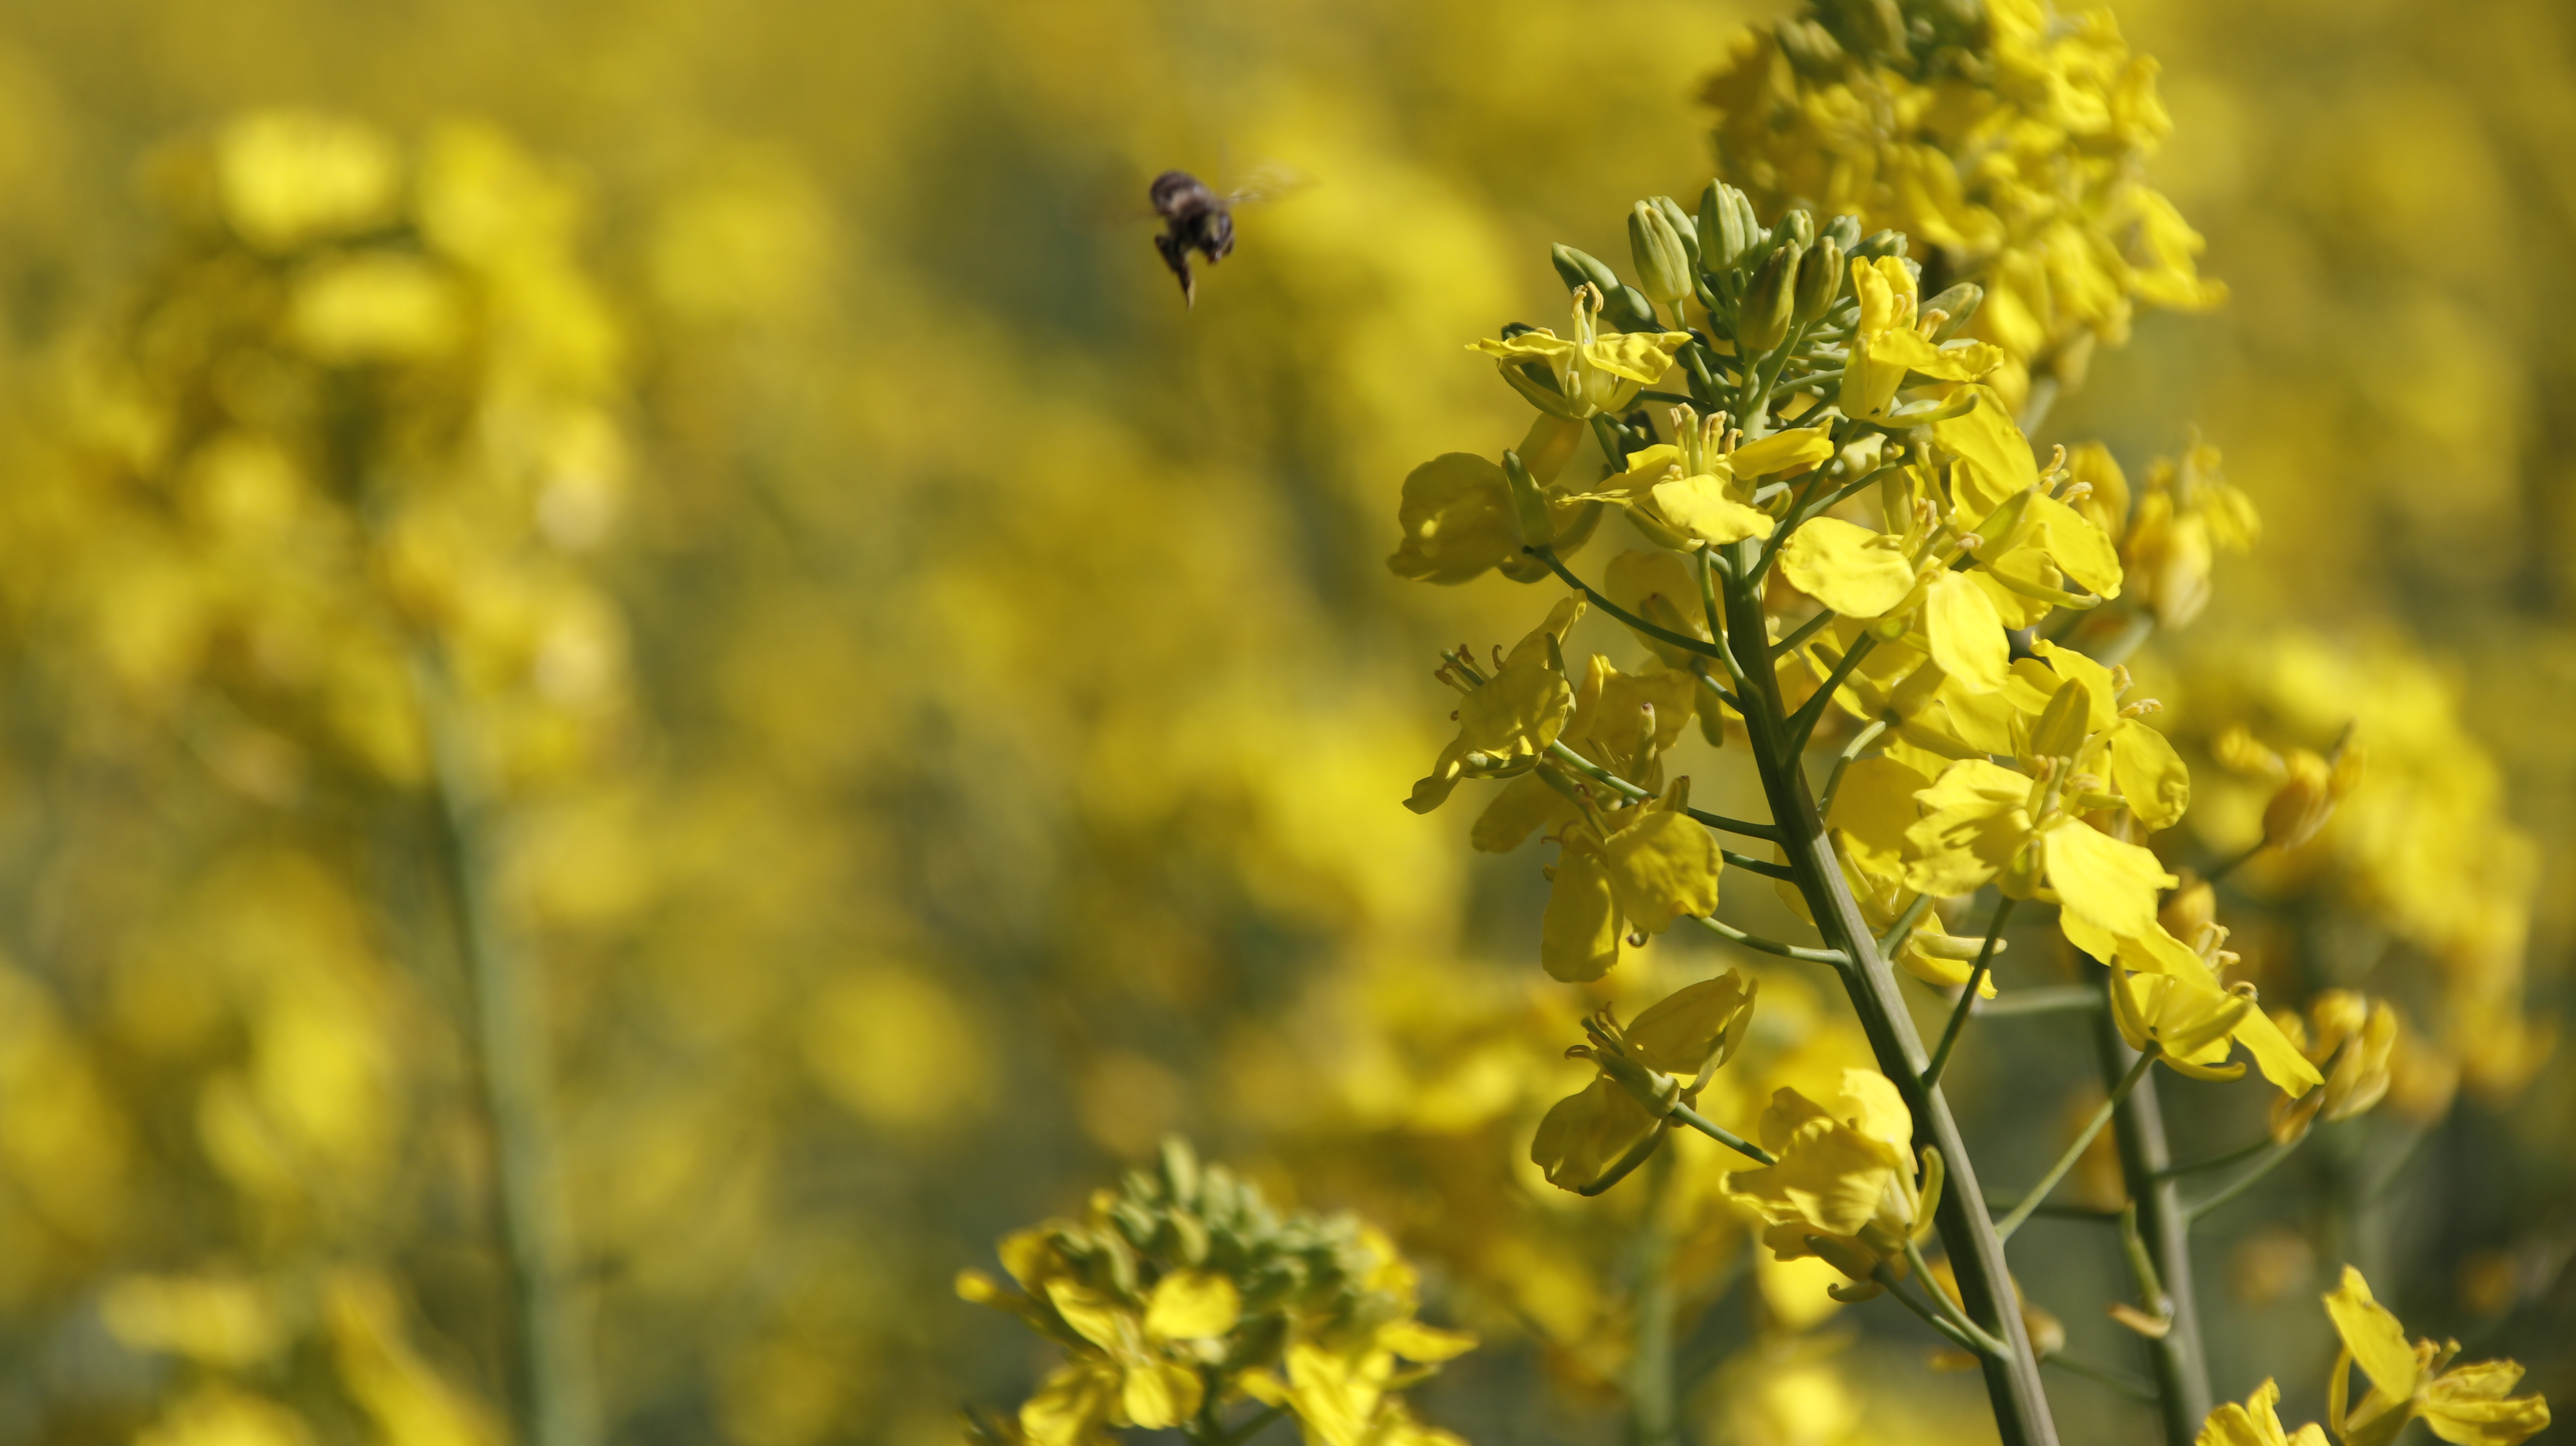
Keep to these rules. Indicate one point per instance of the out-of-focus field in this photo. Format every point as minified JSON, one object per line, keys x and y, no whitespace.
{"x":942,"y":711}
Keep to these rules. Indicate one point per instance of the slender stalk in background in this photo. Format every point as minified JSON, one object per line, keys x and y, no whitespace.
{"x":2181,"y":1371}
{"x":553,"y":1390}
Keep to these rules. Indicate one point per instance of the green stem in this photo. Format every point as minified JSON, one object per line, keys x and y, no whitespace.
{"x":1764,"y":867}
{"x":1729,"y":932}
{"x":1650,"y":1365}
{"x":2242,"y":1183}
{"x":1813,"y":710}
{"x":1941,"y":1301}
{"x":1968,"y":997}
{"x":1684,"y":641}
{"x":2020,"y":1401}
{"x":1804,"y":631}
{"x":1720,"y":1133}
{"x":2234,"y":863}
{"x":552,"y":1384}
{"x":2120,"y":1381}
{"x":2183,"y":1395}
{"x":2075,"y":1151}
{"x":2220,"y":1162}
{"x":1929,"y":1316}
{"x":1252,"y":1426}
{"x":2042,"y":1001}
{"x":1576,"y":763}
{"x":1843,"y":761}
{"x":1903,"y":929}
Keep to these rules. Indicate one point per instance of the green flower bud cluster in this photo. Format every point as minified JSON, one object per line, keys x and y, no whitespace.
{"x":1184,"y":1290}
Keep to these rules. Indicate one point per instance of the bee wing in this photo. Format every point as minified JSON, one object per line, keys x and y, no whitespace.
{"x":1268,"y":181}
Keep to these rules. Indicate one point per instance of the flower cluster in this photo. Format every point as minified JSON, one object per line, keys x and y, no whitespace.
{"x":1184,"y":1291}
{"x":2009,"y":139}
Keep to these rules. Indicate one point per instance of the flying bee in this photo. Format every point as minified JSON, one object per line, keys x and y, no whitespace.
{"x":1199,"y":218}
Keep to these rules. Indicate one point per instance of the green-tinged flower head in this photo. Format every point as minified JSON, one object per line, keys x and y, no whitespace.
{"x":1589,"y":373}
{"x":1185,"y":1287}
{"x":1593,"y":1139}
{"x":2468,"y":1405}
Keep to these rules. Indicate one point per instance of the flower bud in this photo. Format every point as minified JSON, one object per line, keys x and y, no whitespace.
{"x":2192,"y":908}
{"x":1877,"y":25}
{"x":2062,"y":724}
{"x":1682,"y":223}
{"x":1958,"y":303}
{"x":1799,"y":225}
{"x":1811,"y":48}
{"x":1663,"y":265}
{"x":1845,"y":231}
{"x":1529,"y":505}
{"x":1728,"y":231}
{"x":1820,"y":281}
{"x":1880,"y":243}
{"x":1770,"y":300}
{"x":1579,"y":267}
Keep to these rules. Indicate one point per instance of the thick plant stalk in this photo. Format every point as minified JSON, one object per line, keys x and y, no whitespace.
{"x":1651,"y":1407}
{"x":2182,"y":1371}
{"x":554,"y":1395}
{"x":1967,"y":1231}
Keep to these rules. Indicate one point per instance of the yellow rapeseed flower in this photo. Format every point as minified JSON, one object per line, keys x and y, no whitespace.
{"x":2467,"y":1405}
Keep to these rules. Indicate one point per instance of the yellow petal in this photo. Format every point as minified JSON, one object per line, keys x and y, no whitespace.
{"x":1457,"y":520}
{"x":1918,"y":353}
{"x":1872,"y":1106}
{"x":1966,"y":633}
{"x":1697,"y":1026}
{"x":1829,"y":1179}
{"x":2149,"y":774}
{"x":1161,"y":1394}
{"x":1518,"y":712}
{"x":1854,"y":571}
{"x":2374,"y":1336}
{"x":1578,"y":937}
{"x":1640,"y":356}
{"x":1586,"y":1133}
{"x":1522,"y":807}
{"x":1996,"y":454}
{"x":1699,"y":506}
{"x":1096,"y":1317}
{"x":1663,"y":867}
{"x":1781,"y":452}
{"x":1872,"y":810}
{"x":2110,"y":884}
{"x":1191,"y":1304}
{"x":2076,"y":546}
{"x":1072,"y":1407}
{"x":2278,"y":1059}
{"x":1415,"y":1341}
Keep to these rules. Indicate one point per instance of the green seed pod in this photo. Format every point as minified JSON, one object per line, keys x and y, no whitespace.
{"x":1820,"y":281}
{"x":1768,"y":302}
{"x":1960,"y":302}
{"x":1529,"y":505}
{"x":1663,"y":267}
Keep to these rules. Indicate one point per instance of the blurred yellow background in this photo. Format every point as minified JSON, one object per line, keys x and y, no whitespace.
{"x":922,"y":714}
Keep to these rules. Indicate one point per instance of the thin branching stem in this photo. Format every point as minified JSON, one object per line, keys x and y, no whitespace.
{"x":2075,"y":1151}
{"x":1843,"y":761}
{"x":1732,"y":934}
{"x":2236,"y":1156}
{"x":1968,"y":997}
{"x":1905,"y":925}
{"x":2196,"y":1211}
{"x":1724,"y":1136}
{"x":1802,"y":724}
{"x":1684,"y":641}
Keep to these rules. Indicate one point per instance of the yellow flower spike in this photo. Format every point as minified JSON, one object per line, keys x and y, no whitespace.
{"x":2256,"y":1423}
{"x":2468,"y":1405}
{"x":1589,"y":373}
